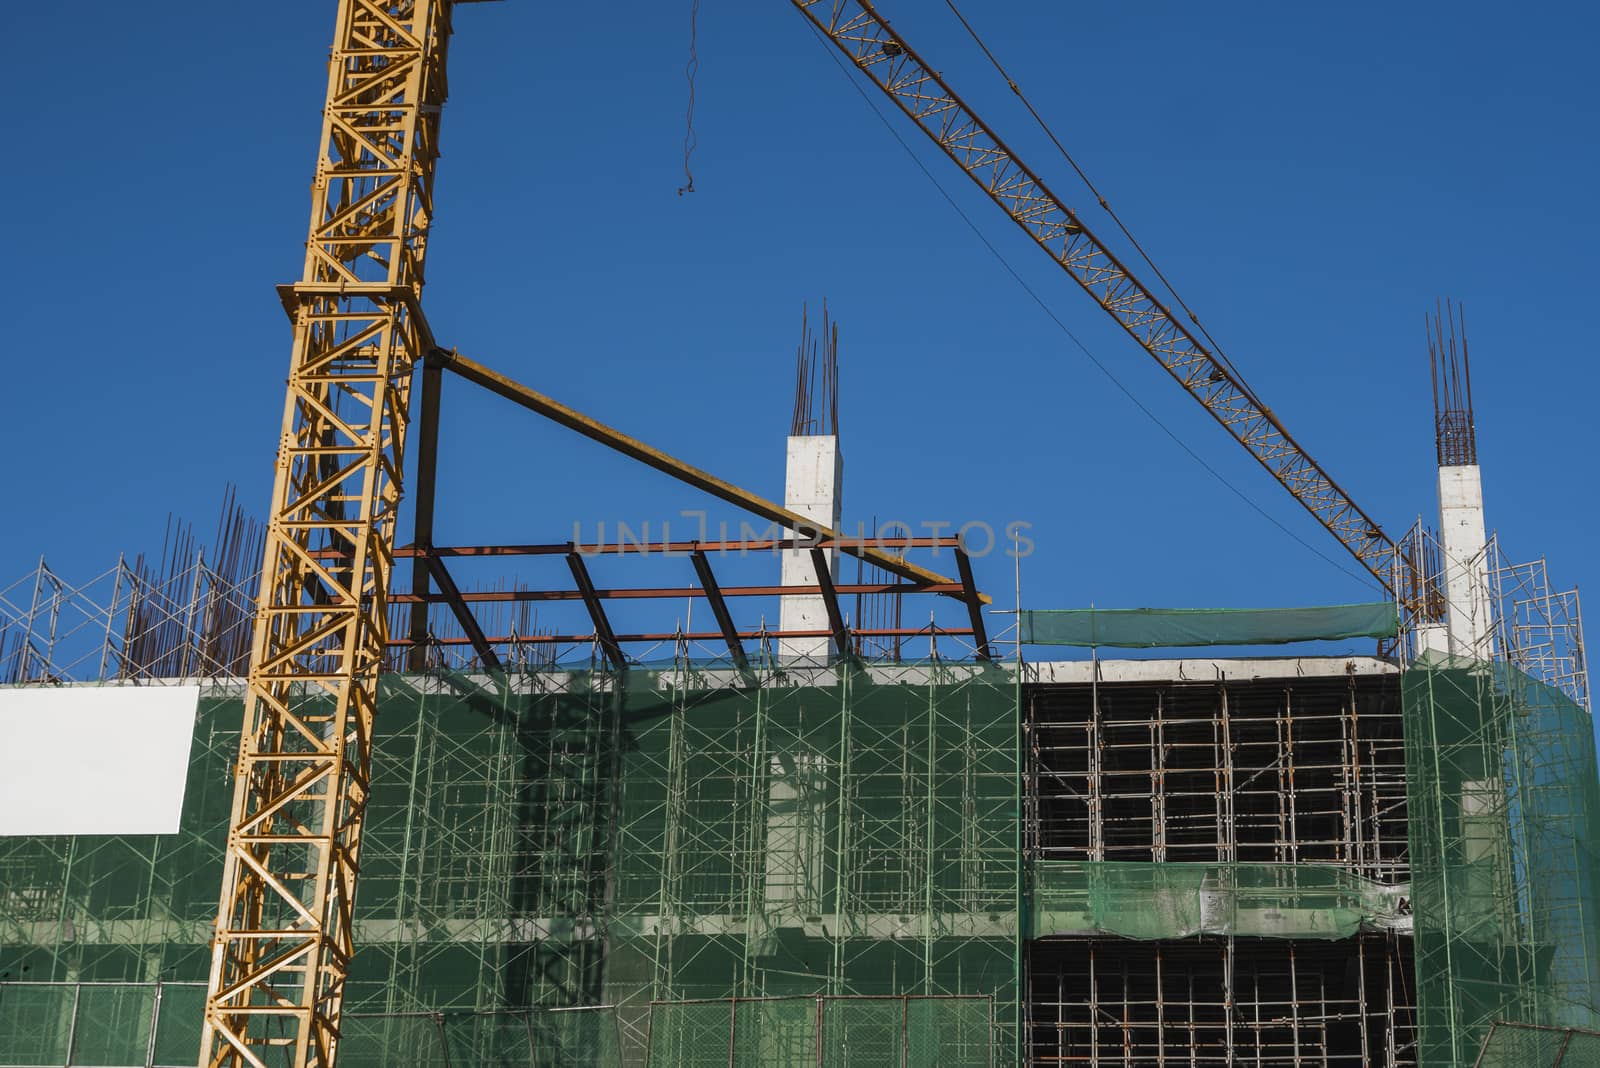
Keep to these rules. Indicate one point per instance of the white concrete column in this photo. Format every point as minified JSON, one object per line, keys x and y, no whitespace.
{"x":1433,"y":638}
{"x":812,"y":487}
{"x":1466,"y":561}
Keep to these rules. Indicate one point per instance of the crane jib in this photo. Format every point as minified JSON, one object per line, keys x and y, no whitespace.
{"x":889,"y":61}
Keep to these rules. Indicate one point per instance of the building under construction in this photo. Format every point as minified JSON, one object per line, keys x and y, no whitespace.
{"x":844,"y":810}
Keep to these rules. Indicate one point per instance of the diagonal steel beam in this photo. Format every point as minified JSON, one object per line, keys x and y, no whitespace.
{"x":980,"y":636}
{"x":632,"y":447}
{"x":597,"y":612}
{"x":830,"y":599}
{"x":719,"y":609}
{"x":464,"y":616}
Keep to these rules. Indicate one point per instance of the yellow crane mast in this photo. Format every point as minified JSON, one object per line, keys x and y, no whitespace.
{"x":282,"y":946}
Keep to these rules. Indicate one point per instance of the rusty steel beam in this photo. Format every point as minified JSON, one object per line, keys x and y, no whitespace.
{"x":650,"y":456}
{"x":980,"y":635}
{"x":830,"y":600}
{"x":647,"y":593}
{"x":678,"y":548}
{"x":597,"y":612}
{"x":667,"y":548}
{"x":719,"y":609}
{"x":469,"y":623}
{"x":422,"y":502}
{"x":697,"y":636}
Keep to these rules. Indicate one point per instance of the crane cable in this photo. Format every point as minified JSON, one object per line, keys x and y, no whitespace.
{"x":691,"y":140}
{"x":827,"y":47}
{"x":1216,"y":349}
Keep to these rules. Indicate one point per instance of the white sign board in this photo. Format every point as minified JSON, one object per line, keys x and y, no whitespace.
{"x":94,"y":759}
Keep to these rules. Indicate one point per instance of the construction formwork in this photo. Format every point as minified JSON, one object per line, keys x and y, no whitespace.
{"x":571,"y":839}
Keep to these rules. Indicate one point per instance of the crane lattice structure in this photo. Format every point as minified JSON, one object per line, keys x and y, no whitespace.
{"x":864,"y":36}
{"x":284,"y":930}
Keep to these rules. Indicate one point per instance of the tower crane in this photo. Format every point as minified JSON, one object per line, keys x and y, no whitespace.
{"x":283,"y":940}
{"x":284,"y":934}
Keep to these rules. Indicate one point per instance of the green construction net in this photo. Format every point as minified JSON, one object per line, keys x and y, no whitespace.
{"x":1504,"y":809}
{"x":913,"y":1032}
{"x":1509,"y":1045}
{"x":157,"y":1025}
{"x":1153,"y":628}
{"x":564,"y":839}
{"x":1136,"y":899}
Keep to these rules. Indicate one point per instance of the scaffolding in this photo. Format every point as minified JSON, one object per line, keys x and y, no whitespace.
{"x":1222,"y":1002}
{"x":1294,"y":770}
{"x":1218,"y":868}
{"x":185,"y":614}
{"x":1505,"y":808}
{"x":574,"y":838}
{"x":157,"y":1025}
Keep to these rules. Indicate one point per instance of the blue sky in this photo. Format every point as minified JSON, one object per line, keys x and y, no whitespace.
{"x":1311,"y":177}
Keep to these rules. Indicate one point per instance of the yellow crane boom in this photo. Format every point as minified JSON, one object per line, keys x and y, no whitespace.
{"x":282,"y":947}
{"x":865,"y":38}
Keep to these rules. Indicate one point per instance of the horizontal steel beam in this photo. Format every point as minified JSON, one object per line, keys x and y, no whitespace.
{"x":699,"y":636}
{"x":674,"y":548}
{"x":675,"y":592}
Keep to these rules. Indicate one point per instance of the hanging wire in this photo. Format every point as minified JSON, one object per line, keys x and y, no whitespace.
{"x":1099,"y":364}
{"x":1216,"y":349}
{"x":690,"y":139}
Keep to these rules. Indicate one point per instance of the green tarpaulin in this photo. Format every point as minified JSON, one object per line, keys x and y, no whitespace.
{"x":1155,"y":628}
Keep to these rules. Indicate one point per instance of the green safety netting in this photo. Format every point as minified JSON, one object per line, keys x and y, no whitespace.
{"x":1136,"y":899}
{"x":1154,"y":628}
{"x":911,"y":1032}
{"x":1509,"y":1045}
{"x":570,"y":838}
{"x":110,"y":1025}
{"x":1504,"y":804}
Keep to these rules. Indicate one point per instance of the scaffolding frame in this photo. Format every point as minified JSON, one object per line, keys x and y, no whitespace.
{"x":574,"y":837}
{"x":1505,"y":814}
{"x":1280,"y":771}
{"x":1254,"y":1002}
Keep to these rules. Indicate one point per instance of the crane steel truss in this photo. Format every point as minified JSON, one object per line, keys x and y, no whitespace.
{"x":865,"y":37}
{"x":283,"y":937}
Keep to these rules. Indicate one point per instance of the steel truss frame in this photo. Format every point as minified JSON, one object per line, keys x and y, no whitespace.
{"x":432,"y":583}
{"x":283,"y":939}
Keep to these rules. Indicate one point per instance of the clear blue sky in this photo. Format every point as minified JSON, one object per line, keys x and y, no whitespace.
{"x":1312,"y":177}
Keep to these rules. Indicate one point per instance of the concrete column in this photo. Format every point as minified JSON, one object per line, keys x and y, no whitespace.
{"x":812,"y":487}
{"x":1466,"y":561}
{"x":1433,"y":638}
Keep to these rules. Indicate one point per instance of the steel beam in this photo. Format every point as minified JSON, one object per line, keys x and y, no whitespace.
{"x":469,"y":623}
{"x":980,"y":636}
{"x":597,"y":612}
{"x":647,"y":593}
{"x":698,"y":636}
{"x":680,"y":548}
{"x":719,"y":610}
{"x":830,"y":600}
{"x":650,"y":456}
{"x":422,"y":505}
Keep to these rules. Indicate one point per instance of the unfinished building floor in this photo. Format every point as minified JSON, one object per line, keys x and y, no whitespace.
{"x":1220,"y":865}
